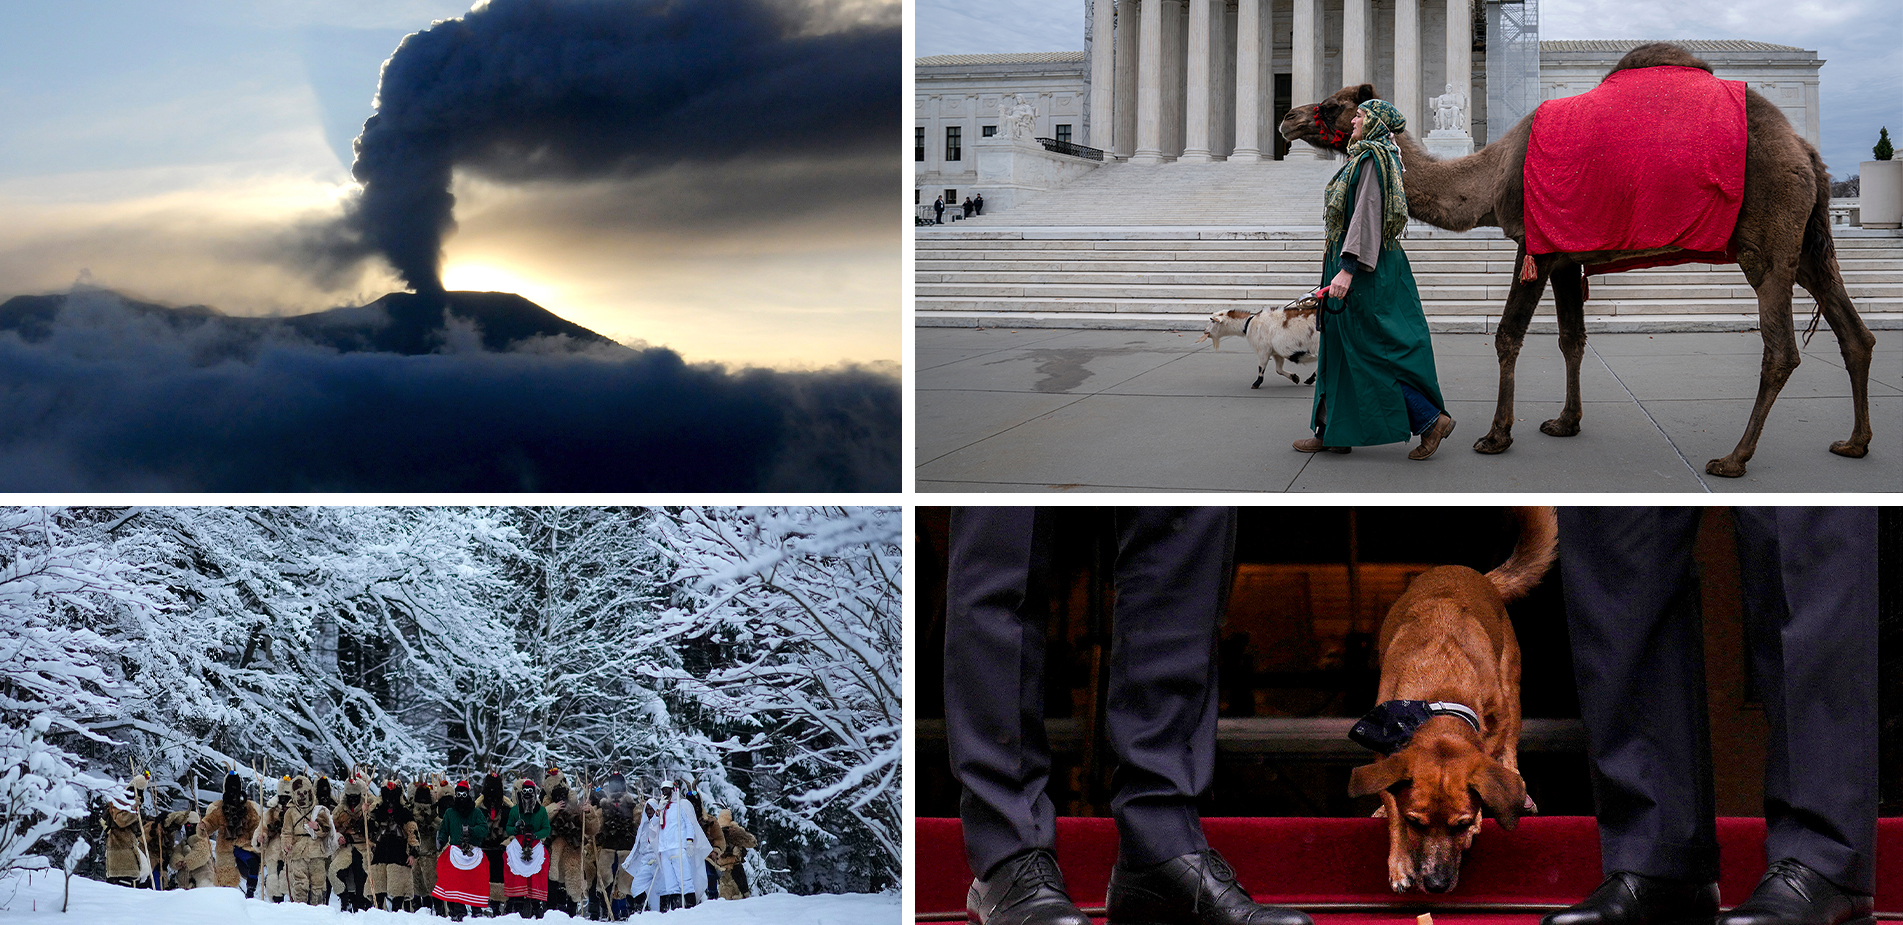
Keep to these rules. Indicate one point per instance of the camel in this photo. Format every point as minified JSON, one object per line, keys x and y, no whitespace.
{"x":1782,"y":236}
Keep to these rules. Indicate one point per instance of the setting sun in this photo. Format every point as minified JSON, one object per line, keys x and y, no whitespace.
{"x":486,"y":277}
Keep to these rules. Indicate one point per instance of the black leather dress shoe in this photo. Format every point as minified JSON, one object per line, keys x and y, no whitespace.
{"x":1792,"y":894}
{"x":1026,"y":889}
{"x":1195,"y":889}
{"x":1627,"y":898}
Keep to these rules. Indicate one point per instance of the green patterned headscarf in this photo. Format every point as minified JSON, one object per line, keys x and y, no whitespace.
{"x":1379,"y":121}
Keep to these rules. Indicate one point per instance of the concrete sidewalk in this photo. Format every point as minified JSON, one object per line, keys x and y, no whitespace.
{"x":1070,"y":410}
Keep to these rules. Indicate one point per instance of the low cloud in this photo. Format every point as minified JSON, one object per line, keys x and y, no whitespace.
{"x":111,"y":401}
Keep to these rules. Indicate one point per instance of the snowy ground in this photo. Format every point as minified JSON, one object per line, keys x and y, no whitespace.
{"x":35,"y":898}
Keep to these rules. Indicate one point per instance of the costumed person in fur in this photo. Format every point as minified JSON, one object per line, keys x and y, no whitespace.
{"x":308,"y":837}
{"x":393,"y":851}
{"x":191,"y":851}
{"x":462,"y":874}
{"x":525,"y":862}
{"x":128,"y":856}
{"x":494,"y":805}
{"x":427,"y":803}
{"x":328,"y":800}
{"x":716,"y":843}
{"x":732,"y":853}
{"x":350,"y":865}
{"x":568,"y":826}
{"x":679,"y":878}
{"x":620,"y":819}
{"x":231,"y":822}
{"x":1375,"y":382}
{"x":268,"y":841}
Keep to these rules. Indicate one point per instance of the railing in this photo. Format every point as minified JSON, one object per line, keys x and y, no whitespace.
{"x":1847,"y":212}
{"x":1065,"y":147}
{"x":953,"y":213}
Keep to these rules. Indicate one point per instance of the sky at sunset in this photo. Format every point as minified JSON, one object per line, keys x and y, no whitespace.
{"x":710,"y":184}
{"x":189,"y":152}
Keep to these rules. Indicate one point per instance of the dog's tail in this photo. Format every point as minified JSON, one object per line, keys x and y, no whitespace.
{"x":1538,"y":546}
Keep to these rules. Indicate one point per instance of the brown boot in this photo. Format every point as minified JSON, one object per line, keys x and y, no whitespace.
{"x":1431,"y":437}
{"x":1315,"y":445}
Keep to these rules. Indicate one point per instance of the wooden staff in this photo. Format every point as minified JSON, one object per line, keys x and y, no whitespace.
{"x":138,"y":816}
{"x":364,"y":809}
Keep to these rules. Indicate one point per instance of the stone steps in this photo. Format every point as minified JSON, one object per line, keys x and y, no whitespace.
{"x":1163,"y":246}
{"x":1174,"y":283}
{"x":1871,"y":282}
{"x":1271,"y":193}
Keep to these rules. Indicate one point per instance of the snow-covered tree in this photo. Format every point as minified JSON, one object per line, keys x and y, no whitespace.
{"x":309,"y":637}
{"x":590,"y":575}
{"x":53,"y":685}
{"x":804,"y":605}
{"x":753,"y":652}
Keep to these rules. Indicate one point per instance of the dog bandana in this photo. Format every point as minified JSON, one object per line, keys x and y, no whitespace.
{"x":1389,"y":727}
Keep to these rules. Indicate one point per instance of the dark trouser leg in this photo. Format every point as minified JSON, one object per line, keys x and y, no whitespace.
{"x":994,"y":680}
{"x":1421,"y":413}
{"x":1173,"y":576}
{"x":1632,"y":609}
{"x":1809,"y":577}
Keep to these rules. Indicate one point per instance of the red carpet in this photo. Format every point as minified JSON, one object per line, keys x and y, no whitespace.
{"x":1546,"y":860}
{"x":1652,"y":157}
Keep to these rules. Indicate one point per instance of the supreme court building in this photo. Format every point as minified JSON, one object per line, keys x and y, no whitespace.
{"x":1202,"y":81}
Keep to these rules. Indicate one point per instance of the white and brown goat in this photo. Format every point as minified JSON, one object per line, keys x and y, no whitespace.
{"x":1285,"y":334}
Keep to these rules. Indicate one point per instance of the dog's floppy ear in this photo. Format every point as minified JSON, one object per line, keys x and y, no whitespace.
{"x":1379,"y":776}
{"x":1501,"y":791}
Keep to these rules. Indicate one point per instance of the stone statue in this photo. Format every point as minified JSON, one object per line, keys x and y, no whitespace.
{"x":1022,"y":120}
{"x":1450,"y":111}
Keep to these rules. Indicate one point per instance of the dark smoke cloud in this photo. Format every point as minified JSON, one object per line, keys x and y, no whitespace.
{"x":114,"y":401}
{"x":581,"y":89}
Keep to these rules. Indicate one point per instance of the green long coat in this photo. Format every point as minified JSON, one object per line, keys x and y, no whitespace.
{"x":1378,"y":340}
{"x":458,"y":828}
{"x":538,"y":821}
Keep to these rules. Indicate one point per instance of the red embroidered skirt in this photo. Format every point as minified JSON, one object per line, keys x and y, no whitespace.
{"x":525,"y":872}
{"x":458,"y":883}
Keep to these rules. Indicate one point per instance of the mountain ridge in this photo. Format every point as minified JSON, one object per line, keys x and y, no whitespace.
{"x":407,"y":323}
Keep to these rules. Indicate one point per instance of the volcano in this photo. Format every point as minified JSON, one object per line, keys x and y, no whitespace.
{"x":406,"y":323}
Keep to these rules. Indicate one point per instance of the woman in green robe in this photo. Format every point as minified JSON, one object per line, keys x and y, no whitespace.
{"x":1375,"y":382}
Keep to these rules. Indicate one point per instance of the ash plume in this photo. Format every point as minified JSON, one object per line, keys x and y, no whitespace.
{"x":520,"y":90}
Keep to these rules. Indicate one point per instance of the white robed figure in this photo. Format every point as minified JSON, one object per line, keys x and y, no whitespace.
{"x":676,"y":877}
{"x":644,"y":858}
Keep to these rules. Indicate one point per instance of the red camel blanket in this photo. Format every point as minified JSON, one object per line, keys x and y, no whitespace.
{"x":1652,"y":157}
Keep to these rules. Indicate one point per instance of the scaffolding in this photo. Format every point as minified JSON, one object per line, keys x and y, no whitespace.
{"x":1513,"y":63}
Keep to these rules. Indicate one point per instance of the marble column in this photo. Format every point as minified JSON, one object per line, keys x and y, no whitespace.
{"x":1252,"y":51}
{"x":1407,"y":64}
{"x":1305,"y":77}
{"x":1460,"y":57}
{"x":1201,"y":61}
{"x":1357,"y":42}
{"x":1174,"y":82}
{"x":1150,"y":85}
{"x":1123,"y":136}
{"x":1103,"y":74}
{"x":1222,"y":89}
